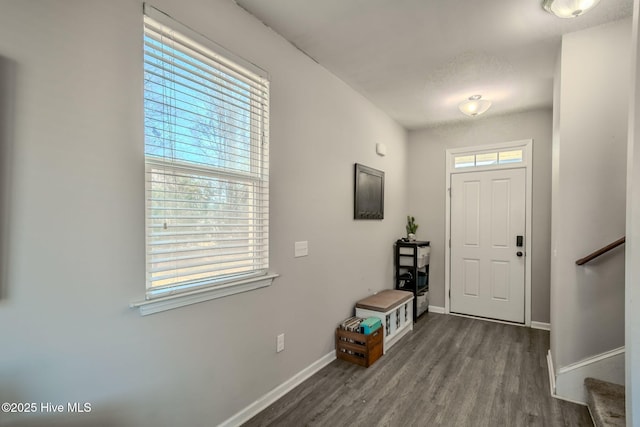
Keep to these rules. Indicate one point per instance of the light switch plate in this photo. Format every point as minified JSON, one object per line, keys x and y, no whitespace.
{"x":301,"y":249}
{"x":280,"y":343}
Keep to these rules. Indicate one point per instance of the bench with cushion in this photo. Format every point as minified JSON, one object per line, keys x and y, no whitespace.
{"x":395,"y":310}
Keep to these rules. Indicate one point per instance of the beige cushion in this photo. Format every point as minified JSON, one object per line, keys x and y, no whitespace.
{"x":384,"y":300}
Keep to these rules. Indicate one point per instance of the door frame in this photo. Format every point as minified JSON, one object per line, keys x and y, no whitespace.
{"x":527,"y":163}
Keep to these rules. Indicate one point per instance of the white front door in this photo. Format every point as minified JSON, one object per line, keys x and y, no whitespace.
{"x":487,"y":257}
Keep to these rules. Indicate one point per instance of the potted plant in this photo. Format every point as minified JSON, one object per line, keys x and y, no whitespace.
{"x":411,"y":227}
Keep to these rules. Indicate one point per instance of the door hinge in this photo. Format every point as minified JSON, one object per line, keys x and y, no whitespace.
{"x":449,"y":191}
{"x":449,"y":243}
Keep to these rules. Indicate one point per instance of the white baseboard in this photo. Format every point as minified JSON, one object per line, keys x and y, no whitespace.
{"x":552,"y":381}
{"x":436,"y":309}
{"x":552,"y":373}
{"x":259,"y":405}
{"x":540,"y":325}
{"x":568,"y":384}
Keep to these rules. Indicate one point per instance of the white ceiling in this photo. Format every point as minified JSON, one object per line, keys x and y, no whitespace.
{"x":417,"y":59}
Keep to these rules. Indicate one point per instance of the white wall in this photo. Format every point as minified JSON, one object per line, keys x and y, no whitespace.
{"x":76,"y":242}
{"x":7,"y":107}
{"x":587,"y":302}
{"x":427,"y":148}
{"x":632,"y":266}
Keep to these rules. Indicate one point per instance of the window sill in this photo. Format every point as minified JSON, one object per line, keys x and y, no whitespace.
{"x":169,"y":302}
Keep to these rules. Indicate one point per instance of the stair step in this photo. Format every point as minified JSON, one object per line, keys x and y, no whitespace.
{"x":606,"y":403}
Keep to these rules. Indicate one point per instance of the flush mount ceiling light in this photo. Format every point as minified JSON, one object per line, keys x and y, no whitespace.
{"x":474,"y":106}
{"x":568,"y":8}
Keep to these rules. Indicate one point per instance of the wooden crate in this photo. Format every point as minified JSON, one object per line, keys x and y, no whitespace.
{"x":358,"y":348}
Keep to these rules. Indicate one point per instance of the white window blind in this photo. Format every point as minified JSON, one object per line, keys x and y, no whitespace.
{"x":206,"y":162}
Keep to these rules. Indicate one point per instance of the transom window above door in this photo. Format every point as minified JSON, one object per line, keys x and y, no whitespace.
{"x":491,"y":158}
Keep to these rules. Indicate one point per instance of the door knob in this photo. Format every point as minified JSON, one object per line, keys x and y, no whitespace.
{"x":519,"y":253}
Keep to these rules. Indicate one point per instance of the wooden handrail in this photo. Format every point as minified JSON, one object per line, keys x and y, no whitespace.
{"x":601,"y":251}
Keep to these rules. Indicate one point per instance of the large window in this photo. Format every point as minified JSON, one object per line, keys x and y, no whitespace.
{"x":206,"y":158}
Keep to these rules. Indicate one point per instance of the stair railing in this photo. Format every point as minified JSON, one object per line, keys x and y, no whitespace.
{"x":601,"y":251}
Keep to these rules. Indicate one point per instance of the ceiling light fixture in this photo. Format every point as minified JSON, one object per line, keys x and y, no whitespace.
{"x":568,"y":8}
{"x":474,"y":106}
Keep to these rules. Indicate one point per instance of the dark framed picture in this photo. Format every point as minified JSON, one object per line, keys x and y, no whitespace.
{"x":368,"y":193}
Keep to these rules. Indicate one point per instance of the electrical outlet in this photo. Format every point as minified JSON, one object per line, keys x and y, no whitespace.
{"x":279,"y":343}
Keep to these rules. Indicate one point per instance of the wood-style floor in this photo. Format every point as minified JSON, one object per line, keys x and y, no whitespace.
{"x":450,"y":371}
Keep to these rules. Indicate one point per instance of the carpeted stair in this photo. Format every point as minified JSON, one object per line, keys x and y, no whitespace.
{"x":606,"y":402}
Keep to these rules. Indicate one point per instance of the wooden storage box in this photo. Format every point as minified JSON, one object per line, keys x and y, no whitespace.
{"x":359,"y":348}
